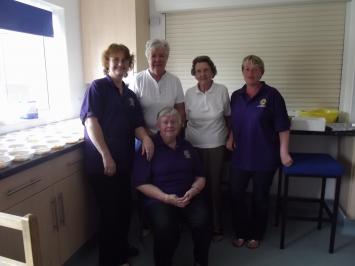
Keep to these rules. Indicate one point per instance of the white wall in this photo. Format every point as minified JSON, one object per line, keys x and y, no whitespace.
{"x":71,"y":16}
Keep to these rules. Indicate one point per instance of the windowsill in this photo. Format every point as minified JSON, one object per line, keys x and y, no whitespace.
{"x":21,"y":123}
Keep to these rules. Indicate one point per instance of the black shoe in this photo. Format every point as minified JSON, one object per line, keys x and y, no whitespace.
{"x":133,"y":251}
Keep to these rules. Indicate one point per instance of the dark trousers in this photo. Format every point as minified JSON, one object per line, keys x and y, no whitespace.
{"x":166,"y":220}
{"x":113,"y":196}
{"x":250,"y":221}
{"x":213,"y":159}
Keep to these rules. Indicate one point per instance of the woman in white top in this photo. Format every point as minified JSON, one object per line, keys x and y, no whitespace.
{"x":208,"y":110}
{"x":155,"y":87}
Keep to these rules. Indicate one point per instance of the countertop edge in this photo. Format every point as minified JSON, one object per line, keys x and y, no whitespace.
{"x":15,"y":168}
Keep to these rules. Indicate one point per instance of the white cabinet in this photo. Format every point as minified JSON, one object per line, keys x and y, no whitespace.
{"x":57,"y":193}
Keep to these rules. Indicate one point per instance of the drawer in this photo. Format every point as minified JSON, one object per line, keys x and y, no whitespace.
{"x":23,"y":185}
{"x":66,"y":165}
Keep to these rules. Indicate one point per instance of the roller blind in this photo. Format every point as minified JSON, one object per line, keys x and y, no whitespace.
{"x":301,"y":45}
{"x":17,"y":16}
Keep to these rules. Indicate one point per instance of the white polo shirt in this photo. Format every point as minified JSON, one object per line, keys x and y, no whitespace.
{"x":206,"y":127}
{"x":154,"y":96}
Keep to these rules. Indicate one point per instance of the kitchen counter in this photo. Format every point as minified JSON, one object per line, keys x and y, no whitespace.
{"x":331,"y":129}
{"x":327,"y":132}
{"x":16,"y":167}
{"x":39,"y":145}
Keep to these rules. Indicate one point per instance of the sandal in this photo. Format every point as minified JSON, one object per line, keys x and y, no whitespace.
{"x":253,"y":244}
{"x":238,"y":242}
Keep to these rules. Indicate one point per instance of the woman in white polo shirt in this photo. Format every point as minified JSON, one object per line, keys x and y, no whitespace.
{"x":155,"y":87}
{"x":207,"y":111}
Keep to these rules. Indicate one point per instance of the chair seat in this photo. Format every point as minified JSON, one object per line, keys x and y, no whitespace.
{"x":313,"y":164}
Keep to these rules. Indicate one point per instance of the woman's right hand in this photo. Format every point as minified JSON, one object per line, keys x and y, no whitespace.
{"x":230,"y":144}
{"x":172,"y":199}
{"x":110,"y":167}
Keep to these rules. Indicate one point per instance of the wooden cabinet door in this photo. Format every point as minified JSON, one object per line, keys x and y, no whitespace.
{"x":43,"y":206}
{"x":75,"y":212}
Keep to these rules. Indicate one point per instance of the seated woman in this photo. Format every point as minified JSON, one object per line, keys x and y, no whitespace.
{"x":172,"y":183}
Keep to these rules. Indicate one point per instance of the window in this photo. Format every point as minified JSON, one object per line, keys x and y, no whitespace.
{"x":23,"y":73}
{"x":33,"y":64}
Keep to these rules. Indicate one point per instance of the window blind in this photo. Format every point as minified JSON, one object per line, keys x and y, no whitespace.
{"x":301,"y":45}
{"x":16,"y":16}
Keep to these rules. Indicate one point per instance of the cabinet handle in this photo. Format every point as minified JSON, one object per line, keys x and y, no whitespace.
{"x":54,"y":215}
{"x":61,"y":209}
{"x":23,"y":186}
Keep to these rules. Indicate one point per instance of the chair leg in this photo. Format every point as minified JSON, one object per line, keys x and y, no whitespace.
{"x":284,"y":213}
{"x":278,"y":198}
{"x":334,"y":218}
{"x":321,"y":204}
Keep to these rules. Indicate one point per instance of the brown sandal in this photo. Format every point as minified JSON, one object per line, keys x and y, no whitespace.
{"x":253,"y":244}
{"x":238,"y":242}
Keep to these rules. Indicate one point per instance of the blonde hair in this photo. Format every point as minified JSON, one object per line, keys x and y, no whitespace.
{"x":255,"y":60}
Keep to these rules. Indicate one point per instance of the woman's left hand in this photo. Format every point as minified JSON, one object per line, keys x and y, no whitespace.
{"x":147,"y":147}
{"x":189,"y":195}
{"x":286,"y":159}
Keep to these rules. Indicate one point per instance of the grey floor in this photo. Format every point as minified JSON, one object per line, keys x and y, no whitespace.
{"x":305,"y":245}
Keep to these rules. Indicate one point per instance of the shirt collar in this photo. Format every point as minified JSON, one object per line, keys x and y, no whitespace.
{"x":158,"y":141}
{"x":114,"y":86}
{"x":150,"y":75}
{"x":208,"y":91}
{"x":244,"y":91}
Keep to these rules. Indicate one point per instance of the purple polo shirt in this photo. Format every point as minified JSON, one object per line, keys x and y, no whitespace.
{"x":171,"y":170}
{"x":118,"y":115}
{"x":256,"y":123}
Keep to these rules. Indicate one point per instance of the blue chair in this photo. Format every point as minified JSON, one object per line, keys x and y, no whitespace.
{"x":311,"y":165}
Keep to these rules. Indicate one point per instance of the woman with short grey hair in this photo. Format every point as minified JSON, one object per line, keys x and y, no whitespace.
{"x":157,"y":88}
{"x":173,"y":184}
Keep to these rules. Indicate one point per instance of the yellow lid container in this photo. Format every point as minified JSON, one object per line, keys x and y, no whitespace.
{"x":330,"y":115}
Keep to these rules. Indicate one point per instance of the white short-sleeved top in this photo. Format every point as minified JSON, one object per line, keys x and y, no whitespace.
{"x":206,"y":127}
{"x":154,"y":96}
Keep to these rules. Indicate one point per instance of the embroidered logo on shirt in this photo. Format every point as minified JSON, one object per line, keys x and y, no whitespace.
{"x":131,"y":102}
{"x":187,"y":154}
{"x":262,"y":103}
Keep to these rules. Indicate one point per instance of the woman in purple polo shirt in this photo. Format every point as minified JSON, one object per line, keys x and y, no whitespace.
{"x":172,"y":183}
{"x":259,"y":143}
{"x":112,"y":117}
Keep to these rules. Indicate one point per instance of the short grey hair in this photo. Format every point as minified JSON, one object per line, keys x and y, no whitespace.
{"x":156,"y":43}
{"x":169,"y":111}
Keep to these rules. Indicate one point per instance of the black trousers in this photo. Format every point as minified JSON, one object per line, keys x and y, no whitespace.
{"x":250,"y":221}
{"x":113,"y":195}
{"x":166,"y":220}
